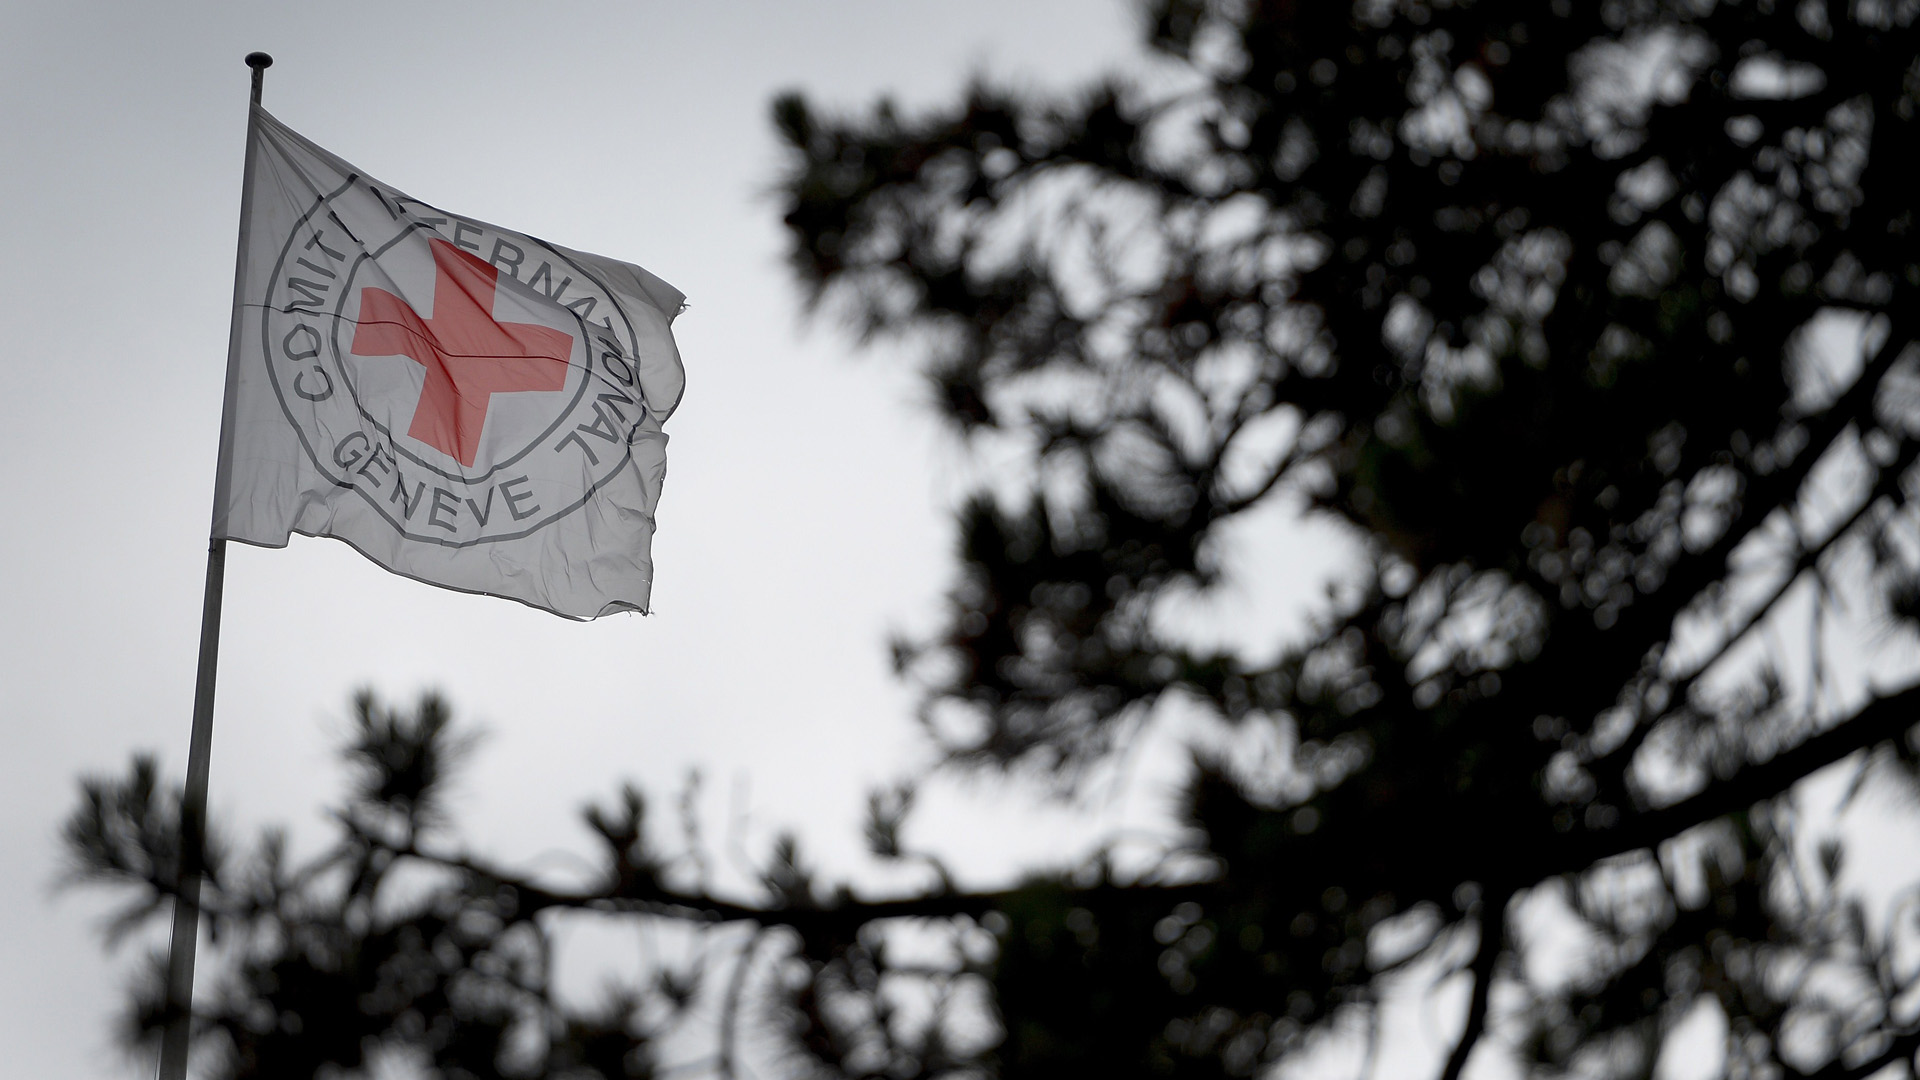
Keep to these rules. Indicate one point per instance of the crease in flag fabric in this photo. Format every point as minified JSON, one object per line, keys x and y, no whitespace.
{"x":465,"y":405}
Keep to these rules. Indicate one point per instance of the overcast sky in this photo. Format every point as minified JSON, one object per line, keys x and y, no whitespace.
{"x":803,"y":517}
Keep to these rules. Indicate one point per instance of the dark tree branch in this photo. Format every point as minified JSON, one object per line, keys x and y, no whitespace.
{"x":1883,"y":719}
{"x":1763,"y":496}
{"x":1886,"y":486}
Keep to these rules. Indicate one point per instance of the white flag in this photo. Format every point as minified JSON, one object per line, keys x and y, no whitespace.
{"x":466,"y":405}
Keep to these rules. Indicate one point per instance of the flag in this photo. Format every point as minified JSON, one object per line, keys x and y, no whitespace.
{"x":466,"y":405}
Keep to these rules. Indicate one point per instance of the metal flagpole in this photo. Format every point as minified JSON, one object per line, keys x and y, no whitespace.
{"x":193,"y":800}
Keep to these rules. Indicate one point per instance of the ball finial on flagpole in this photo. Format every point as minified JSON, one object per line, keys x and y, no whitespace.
{"x":259,"y":62}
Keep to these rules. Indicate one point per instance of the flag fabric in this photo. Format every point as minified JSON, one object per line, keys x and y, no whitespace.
{"x":466,"y":405}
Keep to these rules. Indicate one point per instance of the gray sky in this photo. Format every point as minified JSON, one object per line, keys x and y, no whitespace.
{"x":802,"y":517}
{"x":804,"y":512}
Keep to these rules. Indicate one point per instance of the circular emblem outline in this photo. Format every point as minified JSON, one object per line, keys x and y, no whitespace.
{"x":589,"y":336}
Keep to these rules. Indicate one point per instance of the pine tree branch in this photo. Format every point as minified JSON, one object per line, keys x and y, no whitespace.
{"x":1615,"y":762}
{"x":1884,"y":719}
{"x":838,"y":921}
{"x":1881,"y":720}
{"x":1651,"y":618}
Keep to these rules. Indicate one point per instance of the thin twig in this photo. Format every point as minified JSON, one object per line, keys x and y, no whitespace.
{"x":1493,"y":934}
{"x":1901,"y":1050}
{"x":724,"y":1064}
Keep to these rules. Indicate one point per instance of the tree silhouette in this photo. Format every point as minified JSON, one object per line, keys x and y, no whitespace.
{"x":1590,"y":322}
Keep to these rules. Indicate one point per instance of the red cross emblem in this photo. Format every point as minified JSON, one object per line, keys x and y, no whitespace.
{"x":469,"y":357}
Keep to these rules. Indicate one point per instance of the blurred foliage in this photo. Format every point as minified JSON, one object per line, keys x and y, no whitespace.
{"x":1589,"y":323}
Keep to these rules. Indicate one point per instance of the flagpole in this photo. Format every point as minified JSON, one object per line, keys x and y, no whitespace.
{"x":193,"y":800}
